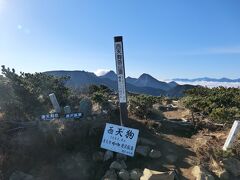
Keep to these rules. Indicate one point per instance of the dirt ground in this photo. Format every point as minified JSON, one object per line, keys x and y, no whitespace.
{"x":177,"y":150}
{"x":170,"y":145}
{"x":177,"y":145}
{"x":178,"y":114}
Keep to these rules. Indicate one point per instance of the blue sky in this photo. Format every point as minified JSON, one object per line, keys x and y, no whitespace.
{"x":165,"y":38}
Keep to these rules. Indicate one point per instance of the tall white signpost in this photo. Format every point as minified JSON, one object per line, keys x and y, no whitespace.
{"x":232,"y":135}
{"x":120,"y":69}
{"x":119,"y":138}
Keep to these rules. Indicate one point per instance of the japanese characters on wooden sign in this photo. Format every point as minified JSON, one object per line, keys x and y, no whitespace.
{"x":120,"y":139}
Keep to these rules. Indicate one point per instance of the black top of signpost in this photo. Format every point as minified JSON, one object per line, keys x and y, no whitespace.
{"x":118,"y":38}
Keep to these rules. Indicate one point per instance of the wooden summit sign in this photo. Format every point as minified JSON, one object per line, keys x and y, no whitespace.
{"x":119,"y":138}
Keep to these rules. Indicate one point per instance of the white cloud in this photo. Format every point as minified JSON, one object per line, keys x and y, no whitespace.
{"x":19,"y":27}
{"x":211,"y":84}
{"x":101,"y":72}
{"x":23,"y":29}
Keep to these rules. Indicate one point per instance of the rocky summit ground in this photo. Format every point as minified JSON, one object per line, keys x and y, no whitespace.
{"x":71,"y":150}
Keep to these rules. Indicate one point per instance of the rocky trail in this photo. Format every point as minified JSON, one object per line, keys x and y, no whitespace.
{"x":176,"y":152}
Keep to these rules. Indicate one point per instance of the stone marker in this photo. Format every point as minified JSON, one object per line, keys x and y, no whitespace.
{"x":55,"y":103}
{"x":67,"y":110}
{"x":85,"y":107}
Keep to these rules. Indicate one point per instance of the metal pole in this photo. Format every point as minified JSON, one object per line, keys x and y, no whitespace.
{"x":120,"y":69}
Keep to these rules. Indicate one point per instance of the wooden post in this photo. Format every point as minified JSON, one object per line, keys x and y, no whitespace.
{"x":120,"y":69}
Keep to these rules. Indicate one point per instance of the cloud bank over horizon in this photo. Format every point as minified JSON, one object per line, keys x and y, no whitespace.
{"x":212,"y":84}
{"x":101,"y":72}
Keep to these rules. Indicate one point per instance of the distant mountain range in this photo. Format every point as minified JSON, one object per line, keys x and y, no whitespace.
{"x":207,"y":79}
{"x":145,"y":84}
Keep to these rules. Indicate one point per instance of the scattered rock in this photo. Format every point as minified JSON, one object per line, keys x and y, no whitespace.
{"x":135,"y":174}
{"x":232,"y":165}
{"x":201,"y":174}
{"x":120,"y":156}
{"x":155,"y":154}
{"x":156,"y":175}
{"x":145,"y":141}
{"x":98,"y":156}
{"x":124,"y":166}
{"x":18,"y":175}
{"x":108,"y":155}
{"x":143,"y":150}
{"x":218,"y":170}
{"x":123,"y":174}
{"x":110,"y":175}
{"x":118,"y":165}
{"x":172,"y":158}
{"x":85,"y":107}
{"x":223,"y":175}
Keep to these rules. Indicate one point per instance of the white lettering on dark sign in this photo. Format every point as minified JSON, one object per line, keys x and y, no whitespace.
{"x":73,"y":115}
{"x":48,"y":117}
